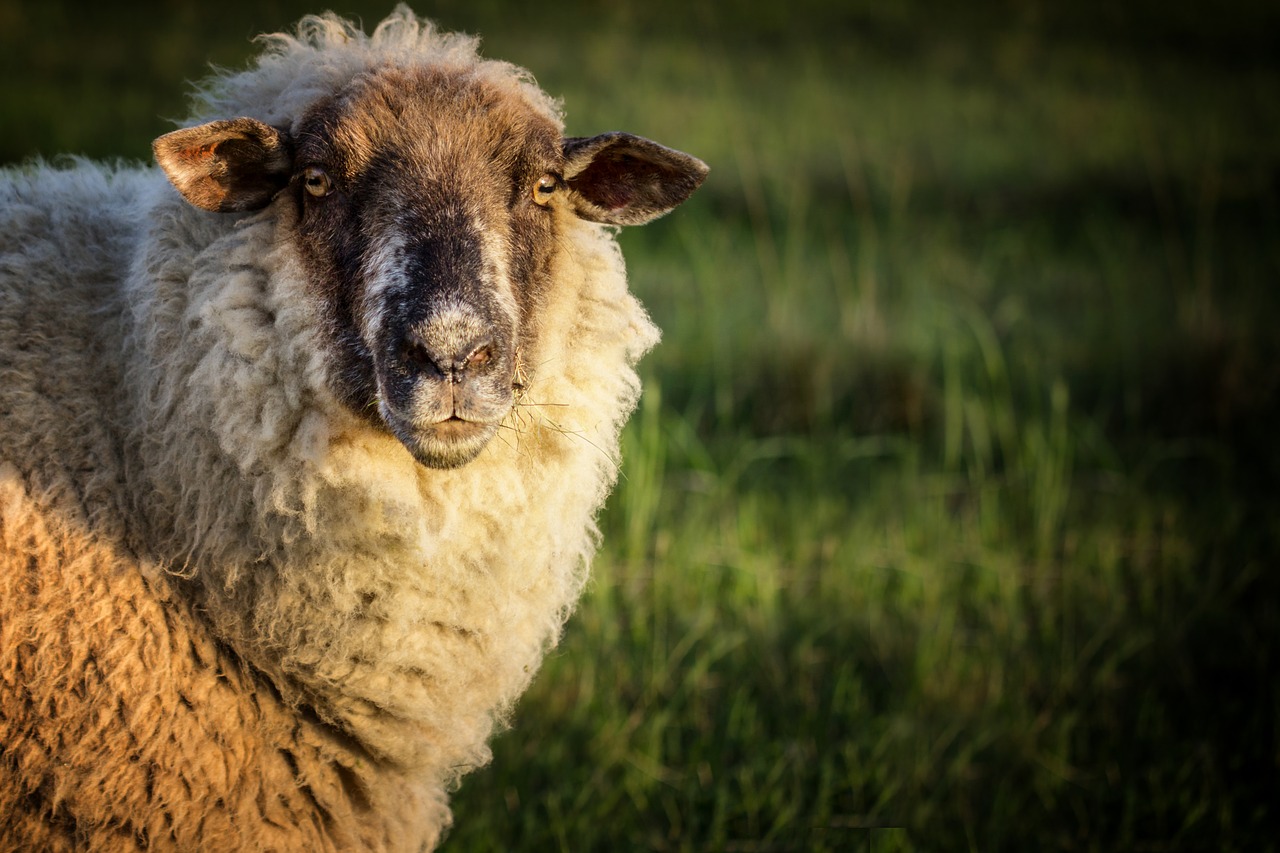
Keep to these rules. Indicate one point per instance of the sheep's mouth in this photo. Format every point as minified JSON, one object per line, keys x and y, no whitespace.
{"x":449,"y":443}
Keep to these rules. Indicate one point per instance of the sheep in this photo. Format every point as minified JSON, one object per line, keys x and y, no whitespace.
{"x":304,"y":438}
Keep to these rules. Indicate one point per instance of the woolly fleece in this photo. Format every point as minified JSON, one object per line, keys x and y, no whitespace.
{"x":233,"y":616}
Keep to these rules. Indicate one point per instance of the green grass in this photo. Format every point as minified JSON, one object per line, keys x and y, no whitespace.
{"x":948,"y":520}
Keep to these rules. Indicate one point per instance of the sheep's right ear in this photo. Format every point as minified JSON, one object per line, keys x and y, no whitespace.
{"x":238,"y":164}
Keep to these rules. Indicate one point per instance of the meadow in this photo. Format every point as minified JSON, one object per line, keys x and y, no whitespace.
{"x":950,"y":518}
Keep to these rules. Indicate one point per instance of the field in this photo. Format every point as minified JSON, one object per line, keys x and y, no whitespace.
{"x":950,"y":518}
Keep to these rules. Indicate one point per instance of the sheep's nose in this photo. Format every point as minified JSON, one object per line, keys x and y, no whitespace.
{"x":445,"y":359}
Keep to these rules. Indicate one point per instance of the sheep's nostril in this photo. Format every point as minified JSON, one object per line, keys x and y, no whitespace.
{"x":418,"y":355}
{"x":415,"y":354}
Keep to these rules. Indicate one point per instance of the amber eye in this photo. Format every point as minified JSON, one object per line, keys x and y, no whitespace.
{"x":317,"y":182}
{"x":544,"y":189}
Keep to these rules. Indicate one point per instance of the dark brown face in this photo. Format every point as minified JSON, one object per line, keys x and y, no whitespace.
{"x":426,"y":230}
{"x":427,"y":203}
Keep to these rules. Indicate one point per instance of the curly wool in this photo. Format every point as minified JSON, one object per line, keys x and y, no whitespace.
{"x":227,"y":605}
{"x":333,"y":51}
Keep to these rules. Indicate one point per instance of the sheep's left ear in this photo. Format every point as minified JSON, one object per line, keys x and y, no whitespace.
{"x":622,"y":179}
{"x":238,"y":164}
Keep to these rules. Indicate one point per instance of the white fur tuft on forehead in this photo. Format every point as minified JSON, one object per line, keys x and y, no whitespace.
{"x":295,"y":70}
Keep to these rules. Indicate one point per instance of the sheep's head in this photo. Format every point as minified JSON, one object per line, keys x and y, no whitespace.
{"x":428,"y":207}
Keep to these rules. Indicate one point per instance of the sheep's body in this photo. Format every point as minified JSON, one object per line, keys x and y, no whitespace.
{"x":234,"y":615}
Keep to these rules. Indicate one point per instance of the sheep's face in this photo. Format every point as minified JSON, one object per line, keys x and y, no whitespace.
{"x":422,"y":226}
{"x":427,"y":209}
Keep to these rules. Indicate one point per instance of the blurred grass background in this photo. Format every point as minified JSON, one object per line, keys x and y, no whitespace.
{"x":950,"y":516}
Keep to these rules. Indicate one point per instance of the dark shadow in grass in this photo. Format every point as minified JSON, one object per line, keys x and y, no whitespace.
{"x":756,"y":750}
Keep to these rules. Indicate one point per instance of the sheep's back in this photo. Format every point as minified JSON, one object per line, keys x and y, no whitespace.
{"x":66,"y":237}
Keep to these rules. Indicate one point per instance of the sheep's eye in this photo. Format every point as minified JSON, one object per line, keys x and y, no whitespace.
{"x":544,"y":189}
{"x":317,"y":182}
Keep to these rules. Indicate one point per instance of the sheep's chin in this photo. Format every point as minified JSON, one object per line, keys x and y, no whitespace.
{"x":447,"y":444}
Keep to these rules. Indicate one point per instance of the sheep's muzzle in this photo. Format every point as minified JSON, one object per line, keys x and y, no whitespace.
{"x":446,"y":384}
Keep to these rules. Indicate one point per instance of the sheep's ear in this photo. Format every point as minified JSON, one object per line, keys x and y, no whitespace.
{"x":627,"y":180}
{"x":239,"y":164}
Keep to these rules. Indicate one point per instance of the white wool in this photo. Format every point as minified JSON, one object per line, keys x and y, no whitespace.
{"x":333,"y":51}
{"x":407,"y":600}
